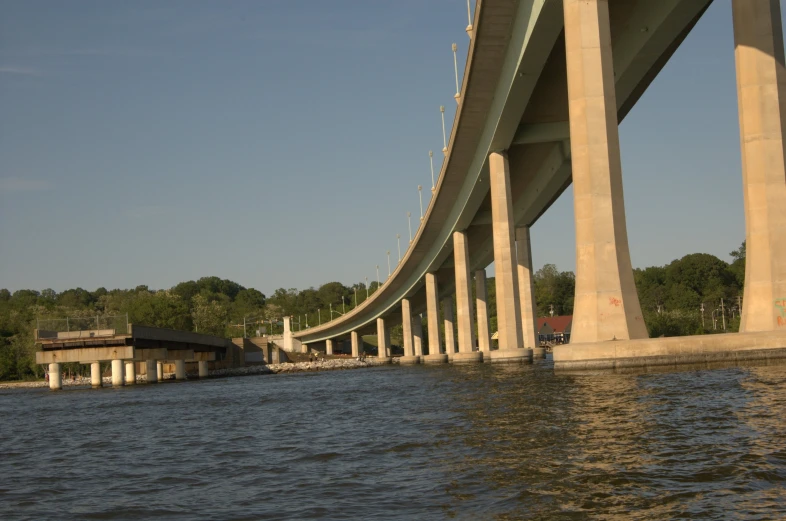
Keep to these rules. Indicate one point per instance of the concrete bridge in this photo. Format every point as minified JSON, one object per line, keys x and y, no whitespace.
{"x":149,"y":345}
{"x":546,"y":84}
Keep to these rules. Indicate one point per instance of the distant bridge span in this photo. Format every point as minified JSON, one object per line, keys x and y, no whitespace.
{"x":547,"y":81}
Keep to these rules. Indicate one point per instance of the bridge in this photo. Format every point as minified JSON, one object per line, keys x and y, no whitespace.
{"x":546,"y":84}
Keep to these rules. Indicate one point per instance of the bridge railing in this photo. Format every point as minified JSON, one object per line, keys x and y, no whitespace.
{"x":82,"y":327}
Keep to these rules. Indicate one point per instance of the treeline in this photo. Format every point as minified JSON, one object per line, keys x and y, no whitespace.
{"x":671,"y":299}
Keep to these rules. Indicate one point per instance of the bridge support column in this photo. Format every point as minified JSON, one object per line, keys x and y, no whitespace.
{"x":117,"y":373}
{"x":151,"y":370}
{"x":761,"y":92}
{"x":203,"y":372}
{"x":95,"y":375}
{"x":606,"y":304}
{"x":529,"y":322}
{"x":160,"y":370}
{"x":450,"y":335}
{"x":329,"y":346}
{"x":511,"y":348}
{"x":417,"y":335}
{"x":383,"y":341}
{"x":180,"y":369}
{"x":55,"y":377}
{"x":466,"y":329}
{"x":409,"y":357}
{"x":130,"y":373}
{"x":435,"y":354}
{"x":481,"y":301}
{"x":356,"y":340}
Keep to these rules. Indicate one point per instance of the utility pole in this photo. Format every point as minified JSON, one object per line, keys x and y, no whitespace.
{"x":702,"y":315}
{"x":723,"y":315}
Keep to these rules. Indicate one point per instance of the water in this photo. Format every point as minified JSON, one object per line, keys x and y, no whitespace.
{"x":476,"y":442}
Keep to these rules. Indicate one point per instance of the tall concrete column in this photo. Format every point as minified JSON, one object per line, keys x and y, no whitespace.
{"x":529,"y":322}
{"x":606,"y":303}
{"x":481,"y":301}
{"x":180,"y":369}
{"x":466,"y":329}
{"x":95,"y":374}
{"x":117,"y":373}
{"x":130,"y":373}
{"x":511,"y":343}
{"x":55,"y":377}
{"x":450,"y":335}
{"x":435,"y":354}
{"x":357,"y":344}
{"x":406,"y":325}
{"x":383,"y":341}
{"x":203,"y":372}
{"x":417,"y":335}
{"x":289,"y":346}
{"x":160,"y":370}
{"x":151,"y":370}
{"x":329,"y":346}
{"x":761,"y":93}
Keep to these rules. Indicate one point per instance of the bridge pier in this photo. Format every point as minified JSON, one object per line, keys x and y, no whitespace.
{"x":511,"y":348}
{"x":95,"y":375}
{"x":130,"y":373}
{"x":160,"y":371}
{"x":55,"y":377}
{"x":761,"y":92}
{"x":180,"y":369}
{"x":383,"y":341}
{"x":329,"y":346}
{"x":435,"y":354}
{"x":117,"y":373}
{"x":203,"y":372}
{"x":356,"y":342}
{"x":450,"y":335}
{"x":606,"y":303}
{"x":151,"y":371}
{"x":409,"y":357}
{"x":529,"y":323}
{"x":481,"y":301}
{"x":466,"y":329}
{"x":417,"y":335}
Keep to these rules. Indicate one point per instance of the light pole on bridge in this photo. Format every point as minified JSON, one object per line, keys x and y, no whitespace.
{"x":409,"y":222}
{"x":469,"y":20}
{"x":398,"y":240}
{"x":455,"y":69}
{"x":431,"y":160}
{"x":389,"y":272}
{"x":378,"y":270}
{"x":366,"y":288}
{"x":420,"y":195}
{"x":444,"y":139}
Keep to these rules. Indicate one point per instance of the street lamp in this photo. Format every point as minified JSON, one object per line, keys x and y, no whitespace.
{"x":389,"y":272}
{"x":378,"y":270}
{"x":409,"y":221}
{"x":420,"y":194}
{"x":398,"y":240}
{"x":431,"y":160}
{"x":444,"y":139}
{"x":366,"y":288}
{"x":469,"y":20}
{"x":455,"y":68}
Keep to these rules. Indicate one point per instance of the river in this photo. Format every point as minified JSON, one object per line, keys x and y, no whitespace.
{"x":474,"y":442}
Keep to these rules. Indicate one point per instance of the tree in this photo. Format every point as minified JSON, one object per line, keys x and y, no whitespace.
{"x":209,"y":317}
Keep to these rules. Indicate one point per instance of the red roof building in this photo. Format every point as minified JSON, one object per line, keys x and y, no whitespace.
{"x":555,"y":329}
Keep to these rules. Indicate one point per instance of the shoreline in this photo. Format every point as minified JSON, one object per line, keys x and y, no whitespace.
{"x":287,"y":367}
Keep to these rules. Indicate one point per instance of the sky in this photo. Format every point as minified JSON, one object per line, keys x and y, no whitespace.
{"x":280,"y":143}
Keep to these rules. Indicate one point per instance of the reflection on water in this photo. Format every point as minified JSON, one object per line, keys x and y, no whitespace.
{"x":464,"y":442}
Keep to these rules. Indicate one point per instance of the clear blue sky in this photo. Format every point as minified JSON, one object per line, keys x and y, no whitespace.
{"x":280,"y":143}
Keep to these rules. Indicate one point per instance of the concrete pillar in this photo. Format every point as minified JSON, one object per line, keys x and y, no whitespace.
{"x":383,"y":340}
{"x":450,"y":336}
{"x":329,"y":346}
{"x":511,"y":343}
{"x":180,"y":369}
{"x":289,"y":346}
{"x":355,"y":344}
{"x":761,"y":93}
{"x":481,"y":301}
{"x":117,"y":373}
{"x":435,"y":354}
{"x":417,"y":335}
{"x":466,"y":329}
{"x":406,"y":325}
{"x":203,"y":373}
{"x":160,"y":370}
{"x":130,"y":373}
{"x":606,"y":304}
{"x":152,"y":371}
{"x":55,"y":377}
{"x":95,"y":374}
{"x":529,"y":322}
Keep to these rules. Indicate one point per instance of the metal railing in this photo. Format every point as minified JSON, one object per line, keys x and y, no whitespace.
{"x":81,"y":327}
